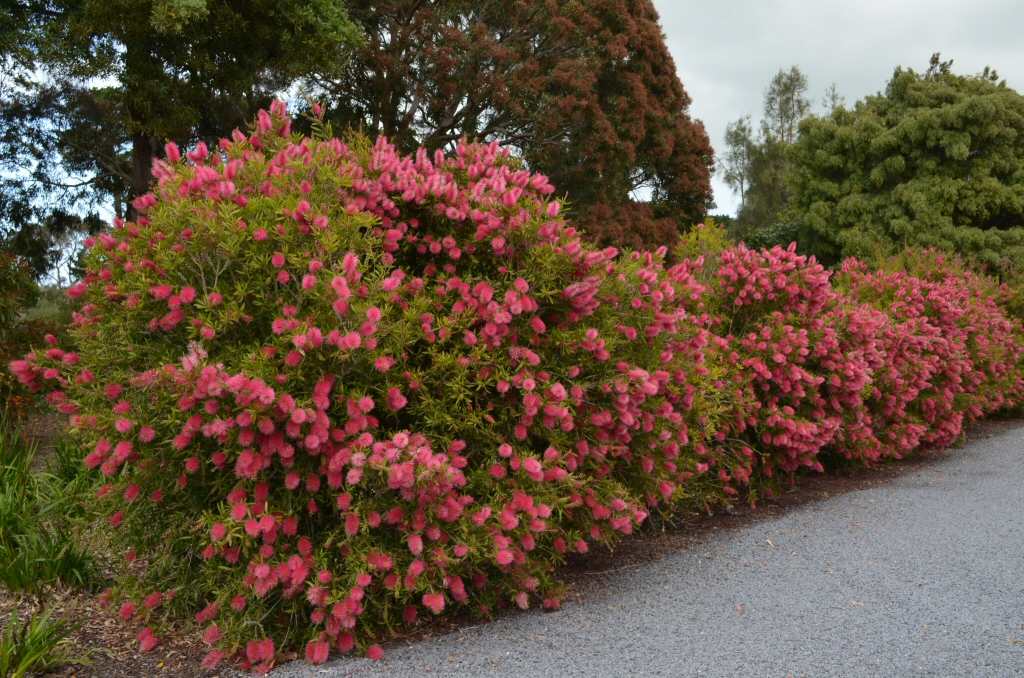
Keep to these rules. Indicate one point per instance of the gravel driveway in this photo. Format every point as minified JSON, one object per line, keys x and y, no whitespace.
{"x":920,"y":577}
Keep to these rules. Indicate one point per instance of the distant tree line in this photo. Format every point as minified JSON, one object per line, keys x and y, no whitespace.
{"x":935,"y":160}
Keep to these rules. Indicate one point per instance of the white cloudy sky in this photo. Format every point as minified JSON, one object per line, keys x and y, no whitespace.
{"x":726,"y":51}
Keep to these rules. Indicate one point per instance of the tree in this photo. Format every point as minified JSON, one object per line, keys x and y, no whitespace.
{"x":92,"y":89}
{"x":758,"y":168}
{"x":585,"y":92}
{"x":785,"y":104}
{"x":739,"y":140}
{"x":937,"y":160}
{"x":832,"y":99}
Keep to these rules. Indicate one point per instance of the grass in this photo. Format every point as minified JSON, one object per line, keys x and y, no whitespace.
{"x":35,"y":646}
{"x":39,"y":549}
{"x":36,"y":539}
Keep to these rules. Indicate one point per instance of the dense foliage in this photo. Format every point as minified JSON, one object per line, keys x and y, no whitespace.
{"x":335,"y":389}
{"x":937,"y":160}
{"x":586,"y":92}
{"x":92,"y":88}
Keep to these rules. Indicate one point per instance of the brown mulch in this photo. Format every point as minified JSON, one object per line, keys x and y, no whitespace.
{"x":114,"y":644}
{"x":181,"y":654}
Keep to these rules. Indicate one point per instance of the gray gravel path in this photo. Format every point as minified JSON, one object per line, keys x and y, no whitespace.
{"x":919,"y":577}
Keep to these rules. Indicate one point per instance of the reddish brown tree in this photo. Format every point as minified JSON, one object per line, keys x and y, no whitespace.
{"x":585,"y":91}
{"x":635,"y":225}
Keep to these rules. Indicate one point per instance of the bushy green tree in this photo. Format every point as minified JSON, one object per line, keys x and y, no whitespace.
{"x":937,"y":160}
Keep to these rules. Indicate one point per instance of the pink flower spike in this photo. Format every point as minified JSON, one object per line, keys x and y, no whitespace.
{"x":434,"y":602}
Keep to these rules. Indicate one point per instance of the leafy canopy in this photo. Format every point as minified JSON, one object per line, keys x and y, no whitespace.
{"x":91,"y":89}
{"x":937,"y":160}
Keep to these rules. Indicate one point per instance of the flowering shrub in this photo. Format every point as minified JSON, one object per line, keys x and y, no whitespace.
{"x":952,"y":351}
{"x":336,"y":389}
{"x":799,"y":356}
{"x":872,"y":367}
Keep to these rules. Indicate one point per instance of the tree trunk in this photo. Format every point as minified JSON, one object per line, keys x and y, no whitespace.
{"x":143,"y":152}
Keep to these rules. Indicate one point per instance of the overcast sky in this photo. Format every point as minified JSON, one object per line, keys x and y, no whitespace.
{"x":726,"y":51}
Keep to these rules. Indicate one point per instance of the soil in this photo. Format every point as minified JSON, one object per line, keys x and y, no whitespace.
{"x":116,"y":653}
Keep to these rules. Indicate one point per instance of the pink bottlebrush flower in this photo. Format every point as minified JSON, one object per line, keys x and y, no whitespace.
{"x":283,"y":277}
{"x":384,"y":363}
{"x":157,"y":496}
{"x":94,"y":459}
{"x":192,"y":465}
{"x":171,"y":152}
{"x":434,"y":602}
{"x":238,"y":603}
{"x":373,"y":314}
{"x":415,"y":542}
{"x":148,"y":641}
{"x":553,"y":208}
{"x":146,"y":434}
{"x":207,"y":332}
{"x":375,"y":652}
{"x":317,"y":652}
{"x":132,"y":493}
{"x":292,"y":480}
{"x":211,"y":635}
{"x":308,"y":281}
{"x":161,"y":292}
{"x":395,"y":399}
{"x":351,"y":524}
{"x":213,"y":659}
{"x":127,"y":611}
{"x":123,"y":425}
{"x":277,"y":261}
{"x":260,"y":235}
{"x":153,"y":600}
{"x":218,"y":532}
{"x":115,"y":520}
{"x":187,"y":295}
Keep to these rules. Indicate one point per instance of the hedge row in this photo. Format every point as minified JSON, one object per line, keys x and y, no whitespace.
{"x":336,"y":389}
